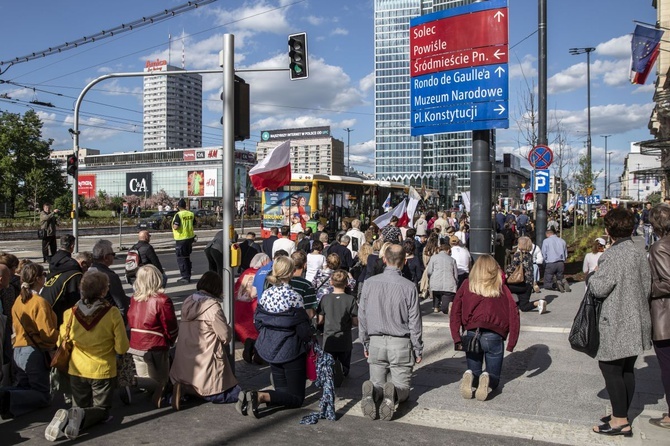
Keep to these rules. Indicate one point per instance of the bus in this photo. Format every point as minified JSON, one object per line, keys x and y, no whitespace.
{"x":329,"y":199}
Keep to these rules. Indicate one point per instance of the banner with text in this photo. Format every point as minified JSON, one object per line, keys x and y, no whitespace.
{"x":138,"y":183}
{"x":86,"y":186}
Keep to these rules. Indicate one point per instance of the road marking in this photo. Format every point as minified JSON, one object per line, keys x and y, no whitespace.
{"x":526,"y":328}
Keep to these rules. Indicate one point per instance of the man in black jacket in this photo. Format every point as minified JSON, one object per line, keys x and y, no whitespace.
{"x":346,"y":261}
{"x":249,"y":248}
{"x":147,"y":254}
{"x":268,"y":242}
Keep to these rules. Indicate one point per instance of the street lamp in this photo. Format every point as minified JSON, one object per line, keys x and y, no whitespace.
{"x":574,"y":52}
{"x":348,"y":130}
{"x":605,"y":136}
{"x":609,"y":170}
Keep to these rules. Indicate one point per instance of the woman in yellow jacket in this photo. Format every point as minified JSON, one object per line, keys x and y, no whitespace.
{"x":35,"y":332}
{"x":98,"y":334}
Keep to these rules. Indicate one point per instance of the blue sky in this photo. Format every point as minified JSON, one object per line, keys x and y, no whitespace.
{"x":340,"y":89}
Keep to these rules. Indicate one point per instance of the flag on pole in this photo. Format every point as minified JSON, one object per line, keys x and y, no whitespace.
{"x":387,"y":203}
{"x":274,"y":171}
{"x":414,"y":199}
{"x":558,"y":204}
{"x":399,"y":211}
{"x":644,"y":47}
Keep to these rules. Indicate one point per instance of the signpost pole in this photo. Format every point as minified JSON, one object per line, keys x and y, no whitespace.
{"x":541,"y":199}
{"x":480,"y":196}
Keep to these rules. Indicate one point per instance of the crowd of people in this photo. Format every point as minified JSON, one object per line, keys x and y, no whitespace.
{"x":293,"y":291}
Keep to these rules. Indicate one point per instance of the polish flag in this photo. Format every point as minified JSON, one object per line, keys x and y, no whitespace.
{"x":274,"y":171}
{"x":399,"y":211}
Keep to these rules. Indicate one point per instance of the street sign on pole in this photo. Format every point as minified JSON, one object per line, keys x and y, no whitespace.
{"x":460,"y":75}
{"x":540,"y":157}
{"x":541,"y":181}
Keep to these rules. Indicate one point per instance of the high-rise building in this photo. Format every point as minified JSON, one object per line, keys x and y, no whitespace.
{"x":440,"y":161}
{"x":172,"y":108}
{"x":313,"y":149}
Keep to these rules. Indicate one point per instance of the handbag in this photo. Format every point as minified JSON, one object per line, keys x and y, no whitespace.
{"x":310,"y":368}
{"x":61,"y":359}
{"x":517,"y":275}
{"x":584,"y":335}
{"x":470,"y":342}
{"x":40,"y":234}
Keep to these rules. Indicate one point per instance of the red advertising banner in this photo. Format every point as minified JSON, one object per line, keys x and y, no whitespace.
{"x":459,"y":34}
{"x":86,"y":186}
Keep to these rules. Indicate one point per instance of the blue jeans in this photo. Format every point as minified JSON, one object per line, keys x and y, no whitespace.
{"x":493,"y":347}
{"x":31,"y":390}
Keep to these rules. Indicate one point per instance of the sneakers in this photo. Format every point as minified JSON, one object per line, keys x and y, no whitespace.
{"x":242,"y":405}
{"x":183,"y":281}
{"x":536,"y":287}
{"x":466,"y":385}
{"x":124,"y":394}
{"x":368,"y":400}
{"x":176,"y":396}
{"x":387,"y":406}
{"x":55,"y":429}
{"x":75,"y":419}
{"x":559,"y":285}
{"x":338,"y":373}
{"x":566,"y":286}
{"x":541,"y":306}
{"x":436,"y":310}
{"x":482,"y":391}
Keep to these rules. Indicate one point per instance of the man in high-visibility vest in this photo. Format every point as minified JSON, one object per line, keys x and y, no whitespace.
{"x":182,"y":231}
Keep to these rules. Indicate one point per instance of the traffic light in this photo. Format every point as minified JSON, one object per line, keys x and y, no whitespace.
{"x":72,"y":163}
{"x":297,"y":45}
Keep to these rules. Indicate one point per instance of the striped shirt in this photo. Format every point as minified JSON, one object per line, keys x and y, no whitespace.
{"x":306,"y":290}
{"x":389,"y":305}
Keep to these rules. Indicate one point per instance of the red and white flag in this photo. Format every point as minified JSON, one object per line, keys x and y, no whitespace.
{"x":274,"y":171}
{"x":399,"y":211}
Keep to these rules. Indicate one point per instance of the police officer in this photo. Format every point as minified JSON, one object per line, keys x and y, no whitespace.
{"x":182,"y":231}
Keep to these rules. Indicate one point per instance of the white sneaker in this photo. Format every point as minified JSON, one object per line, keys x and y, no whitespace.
{"x":76,"y":417}
{"x":55,"y":429}
{"x":483,"y":390}
{"x":542,"y":306}
{"x":466,"y":385}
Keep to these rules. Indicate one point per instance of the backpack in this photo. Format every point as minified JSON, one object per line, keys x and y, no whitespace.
{"x":133,"y":262}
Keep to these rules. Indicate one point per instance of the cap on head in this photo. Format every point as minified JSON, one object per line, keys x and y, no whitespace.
{"x":601,"y":241}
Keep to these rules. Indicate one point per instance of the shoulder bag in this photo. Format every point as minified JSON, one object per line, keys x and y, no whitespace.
{"x":584,"y":335}
{"x":61,"y":359}
{"x":471,"y":343}
{"x":517,"y":275}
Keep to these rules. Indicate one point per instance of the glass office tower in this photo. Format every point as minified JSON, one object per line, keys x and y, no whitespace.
{"x":440,"y":161}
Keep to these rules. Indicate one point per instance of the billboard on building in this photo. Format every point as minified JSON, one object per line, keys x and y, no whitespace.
{"x":210,"y":183}
{"x":291,"y":134}
{"x":281,"y":208}
{"x":155,"y":65}
{"x":138,"y":183}
{"x":196,"y":183}
{"x":86,"y":186}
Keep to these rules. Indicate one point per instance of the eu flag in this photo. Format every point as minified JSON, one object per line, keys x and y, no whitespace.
{"x":644,"y":46}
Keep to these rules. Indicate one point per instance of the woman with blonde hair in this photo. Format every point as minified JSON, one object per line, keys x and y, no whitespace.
{"x":35,"y":332}
{"x":523,"y":257}
{"x":153,"y":329}
{"x":284,"y":330}
{"x":483,"y":308}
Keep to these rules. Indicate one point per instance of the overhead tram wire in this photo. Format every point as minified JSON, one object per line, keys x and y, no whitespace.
{"x":124,"y":27}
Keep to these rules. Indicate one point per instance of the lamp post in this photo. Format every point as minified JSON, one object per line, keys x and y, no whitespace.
{"x":609,"y":172}
{"x":348,"y":130}
{"x":605,"y":188}
{"x":574,"y":52}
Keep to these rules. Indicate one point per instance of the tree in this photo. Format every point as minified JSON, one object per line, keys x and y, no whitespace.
{"x":25,"y":157}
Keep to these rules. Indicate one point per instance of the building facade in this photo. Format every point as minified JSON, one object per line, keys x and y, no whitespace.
{"x":639,"y":178}
{"x":172,"y":108}
{"x":511,"y":180}
{"x":313,"y":149}
{"x":195,"y":174}
{"x":439,"y":161}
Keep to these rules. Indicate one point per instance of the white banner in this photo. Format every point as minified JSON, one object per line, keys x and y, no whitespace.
{"x":210,"y":183}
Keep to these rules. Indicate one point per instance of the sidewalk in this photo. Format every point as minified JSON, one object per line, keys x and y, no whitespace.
{"x":548,"y":393}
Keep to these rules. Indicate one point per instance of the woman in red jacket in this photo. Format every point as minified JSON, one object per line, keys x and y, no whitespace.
{"x":153,"y":328}
{"x":484,"y":304}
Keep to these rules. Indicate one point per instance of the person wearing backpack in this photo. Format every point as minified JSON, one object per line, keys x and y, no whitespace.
{"x":147,"y":256}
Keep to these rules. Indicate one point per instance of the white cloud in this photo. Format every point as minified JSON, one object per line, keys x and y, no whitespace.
{"x":258,"y":17}
{"x":92,"y":130}
{"x":613,"y":73}
{"x":618,"y":47}
{"x":313,"y":20}
{"x":339,"y":32}
{"x":525,"y":68}
{"x":367,"y":83}
{"x":607,"y":119}
{"x":647,"y":89}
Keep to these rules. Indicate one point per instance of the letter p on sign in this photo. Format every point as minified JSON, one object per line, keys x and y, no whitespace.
{"x":541,"y":181}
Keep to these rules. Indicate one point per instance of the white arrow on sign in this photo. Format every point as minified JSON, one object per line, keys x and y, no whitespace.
{"x":498,"y":53}
{"x":499,"y":71}
{"x":500,"y":109}
{"x":498,"y":15}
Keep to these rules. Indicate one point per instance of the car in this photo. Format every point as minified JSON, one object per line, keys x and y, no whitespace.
{"x":157,"y":220}
{"x":203,"y":213}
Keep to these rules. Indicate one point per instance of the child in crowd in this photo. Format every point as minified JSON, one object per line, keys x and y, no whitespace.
{"x":338,"y":313}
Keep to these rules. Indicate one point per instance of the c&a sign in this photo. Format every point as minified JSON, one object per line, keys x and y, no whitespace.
{"x":138,"y":183}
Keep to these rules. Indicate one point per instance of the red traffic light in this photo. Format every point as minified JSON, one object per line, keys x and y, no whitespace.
{"x":72,"y":165}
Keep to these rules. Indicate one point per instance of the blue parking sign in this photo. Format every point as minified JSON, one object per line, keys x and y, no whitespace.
{"x":541,"y":181}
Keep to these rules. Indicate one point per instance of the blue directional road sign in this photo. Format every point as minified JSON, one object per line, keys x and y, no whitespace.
{"x":540,"y":181}
{"x":592,"y":199}
{"x":464,"y":99}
